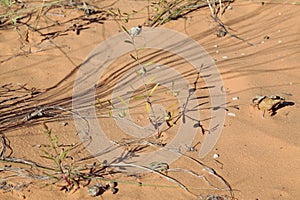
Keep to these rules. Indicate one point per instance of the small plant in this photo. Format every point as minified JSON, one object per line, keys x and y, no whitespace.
{"x":133,"y":33}
{"x":59,"y":155}
{"x":5,"y":2}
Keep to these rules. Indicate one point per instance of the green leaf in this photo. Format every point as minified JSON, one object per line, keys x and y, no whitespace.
{"x":99,"y":102}
{"x":139,"y":97}
{"x":153,"y":89}
{"x":150,"y":80}
{"x":7,"y":2}
{"x":173,"y":84}
{"x":128,"y":41}
{"x":171,"y":106}
{"x":63,"y":154}
{"x":57,"y":162}
{"x":133,"y":57}
{"x":142,"y":71}
{"x":120,"y":14}
{"x":47,"y":153}
{"x":126,"y":19}
{"x":47,"y":157}
{"x":110,"y":114}
{"x":175,"y":93}
{"x":111,"y":11}
{"x":149,"y":63}
{"x":125,"y":29}
{"x":122,"y":114}
{"x":110,"y":103}
{"x":147,"y":107}
{"x":123,"y":101}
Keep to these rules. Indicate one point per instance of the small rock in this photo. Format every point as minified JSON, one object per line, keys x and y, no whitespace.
{"x":235,"y":98}
{"x":215,"y":197}
{"x":95,"y":190}
{"x":216,"y":156}
{"x":114,"y":190}
{"x":231,"y":114}
{"x":221,"y":33}
{"x":65,"y":123}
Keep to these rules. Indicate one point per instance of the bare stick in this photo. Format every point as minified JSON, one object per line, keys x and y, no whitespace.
{"x":209,"y":170}
{"x":153,"y":171}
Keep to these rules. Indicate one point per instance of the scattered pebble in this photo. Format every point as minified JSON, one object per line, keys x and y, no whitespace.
{"x":111,"y":184}
{"x":114,"y":190}
{"x":217,"y":51}
{"x":216,"y":156}
{"x":215,"y":45}
{"x":93,"y":190}
{"x":229,"y":8}
{"x":224,"y":57}
{"x":235,"y":98}
{"x":279,"y":41}
{"x":231,"y":114}
{"x":215,"y":197}
{"x":65,"y":123}
{"x":221,"y":33}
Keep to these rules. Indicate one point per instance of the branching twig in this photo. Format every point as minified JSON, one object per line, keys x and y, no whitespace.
{"x":209,"y":170}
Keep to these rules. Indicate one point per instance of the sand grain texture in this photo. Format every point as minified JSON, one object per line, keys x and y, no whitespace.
{"x":260,"y":157}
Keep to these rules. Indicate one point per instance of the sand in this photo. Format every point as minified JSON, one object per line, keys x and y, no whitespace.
{"x":259,"y":157}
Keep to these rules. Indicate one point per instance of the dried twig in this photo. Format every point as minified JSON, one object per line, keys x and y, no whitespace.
{"x":209,"y":170}
{"x":152,"y":171}
{"x":5,"y":144}
{"x":225,"y":30}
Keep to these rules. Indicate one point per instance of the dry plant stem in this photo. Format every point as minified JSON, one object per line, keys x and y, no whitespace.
{"x":40,"y":112}
{"x":166,"y":10}
{"x":210,"y":171}
{"x":221,"y":8}
{"x":153,"y":171}
{"x":25,"y":162}
{"x":118,"y":144}
{"x":5,"y":144}
{"x":21,"y":172}
{"x":213,"y":12}
{"x":178,"y":8}
{"x":148,"y":100}
{"x":217,"y":20}
{"x":194,"y":174}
